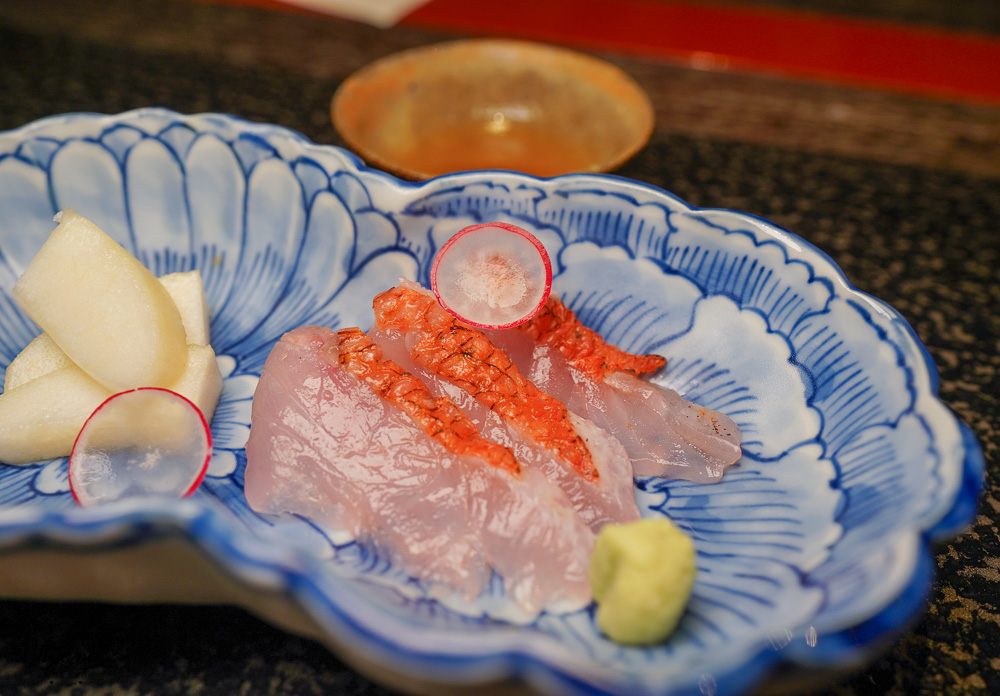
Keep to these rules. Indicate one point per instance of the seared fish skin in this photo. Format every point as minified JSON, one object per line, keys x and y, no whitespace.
{"x":439,"y":417}
{"x":465,"y":356}
{"x":582,"y":347}
{"x":448,"y":355}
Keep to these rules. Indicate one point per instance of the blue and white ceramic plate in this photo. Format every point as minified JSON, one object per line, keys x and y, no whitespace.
{"x":812,"y":550}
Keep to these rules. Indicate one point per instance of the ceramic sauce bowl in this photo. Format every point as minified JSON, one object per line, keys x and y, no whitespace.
{"x":492,"y":104}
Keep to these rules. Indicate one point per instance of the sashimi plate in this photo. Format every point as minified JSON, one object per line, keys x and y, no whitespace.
{"x":814,"y":550}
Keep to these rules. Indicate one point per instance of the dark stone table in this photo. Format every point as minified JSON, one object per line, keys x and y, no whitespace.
{"x":903,"y":193}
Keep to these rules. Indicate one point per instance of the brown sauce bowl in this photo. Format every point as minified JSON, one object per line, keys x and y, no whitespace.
{"x":492,"y":104}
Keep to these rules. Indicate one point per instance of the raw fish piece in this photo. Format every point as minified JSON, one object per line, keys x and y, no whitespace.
{"x":582,"y":347}
{"x":590,"y":466}
{"x":439,"y":417}
{"x":325,"y":444}
{"x":462,"y":354}
{"x":664,"y":434}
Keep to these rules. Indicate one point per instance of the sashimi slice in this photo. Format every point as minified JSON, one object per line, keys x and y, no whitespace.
{"x":582,"y":347}
{"x":589,"y":465}
{"x":439,"y":417}
{"x":664,"y":434}
{"x":327,"y":445}
{"x":462,"y":354}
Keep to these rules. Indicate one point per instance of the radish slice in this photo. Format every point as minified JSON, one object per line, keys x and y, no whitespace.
{"x":492,"y":276}
{"x":146,"y":441}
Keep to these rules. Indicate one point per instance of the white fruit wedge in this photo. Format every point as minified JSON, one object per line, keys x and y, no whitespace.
{"x":40,"y":418}
{"x":38,"y":358}
{"x":42,"y":355}
{"x":188,"y":293}
{"x":201,"y":381}
{"x":103,"y":308}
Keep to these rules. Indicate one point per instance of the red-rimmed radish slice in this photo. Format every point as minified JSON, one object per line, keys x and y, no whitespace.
{"x":142,"y":442}
{"x":492,"y":276}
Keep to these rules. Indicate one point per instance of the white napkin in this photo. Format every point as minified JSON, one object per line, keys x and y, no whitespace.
{"x":380,"y":13}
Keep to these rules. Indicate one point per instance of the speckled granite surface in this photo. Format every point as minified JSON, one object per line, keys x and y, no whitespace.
{"x":907,"y":223}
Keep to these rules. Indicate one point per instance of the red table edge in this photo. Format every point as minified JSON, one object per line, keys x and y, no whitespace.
{"x":892,"y":56}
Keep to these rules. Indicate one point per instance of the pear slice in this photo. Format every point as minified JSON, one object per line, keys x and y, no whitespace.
{"x":40,"y":418}
{"x":38,"y":358}
{"x":188,"y":293}
{"x":103,"y":308}
{"x":42,"y":355}
{"x":201,"y":381}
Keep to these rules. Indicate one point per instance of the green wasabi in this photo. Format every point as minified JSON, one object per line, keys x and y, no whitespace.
{"x":641,"y":575}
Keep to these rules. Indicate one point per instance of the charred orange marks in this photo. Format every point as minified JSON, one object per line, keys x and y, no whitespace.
{"x":439,"y":417}
{"x":466,"y":356}
{"x":583,"y":348}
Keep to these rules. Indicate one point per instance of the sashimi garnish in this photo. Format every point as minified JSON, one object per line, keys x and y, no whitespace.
{"x":492,"y":276}
{"x":466,"y":356}
{"x":582,"y":347}
{"x":439,"y":417}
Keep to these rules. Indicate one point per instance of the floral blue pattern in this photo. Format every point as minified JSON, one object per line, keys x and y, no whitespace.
{"x":812,"y":548}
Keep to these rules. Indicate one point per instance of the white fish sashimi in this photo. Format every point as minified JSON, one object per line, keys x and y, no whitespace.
{"x":457,"y":360}
{"x":669,"y":436}
{"x":609,"y":499}
{"x":324,"y":444}
{"x":663,"y":433}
